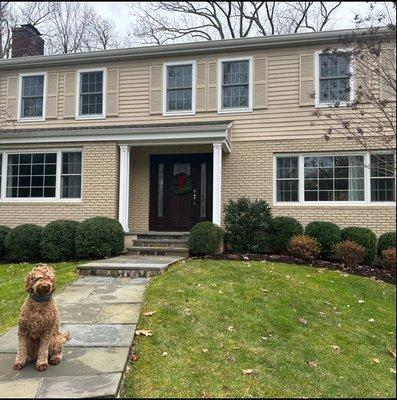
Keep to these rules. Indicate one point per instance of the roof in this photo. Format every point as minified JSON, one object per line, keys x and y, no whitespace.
{"x":255,"y":43}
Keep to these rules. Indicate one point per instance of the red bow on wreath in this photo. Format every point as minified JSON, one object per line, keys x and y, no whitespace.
{"x":181,"y":181}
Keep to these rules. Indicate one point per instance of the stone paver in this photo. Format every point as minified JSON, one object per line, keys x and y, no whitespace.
{"x":9,"y":389}
{"x":119,"y":313}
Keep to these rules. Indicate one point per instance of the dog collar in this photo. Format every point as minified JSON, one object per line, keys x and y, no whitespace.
{"x":42,"y":298}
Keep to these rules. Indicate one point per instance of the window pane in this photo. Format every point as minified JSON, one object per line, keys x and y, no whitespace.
{"x":287,"y":190}
{"x":179,"y":87}
{"x":32,"y":96}
{"x":91,"y":93}
{"x":71,"y":187}
{"x":71,"y":175}
{"x":235,"y":84}
{"x":287,"y":167}
{"x":382,"y":165}
{"x":383,"y":189}
{"x":235,"y":96}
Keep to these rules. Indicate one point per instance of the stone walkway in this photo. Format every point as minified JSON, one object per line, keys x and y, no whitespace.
{"x":101,"y":314}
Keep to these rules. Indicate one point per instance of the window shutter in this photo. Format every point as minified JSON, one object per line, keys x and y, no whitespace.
{"x":201,"y":101}
{"x":260,"y":83}
{"x":306,"y":79}
{"x":212,"y":104}
{"x":388,"y":66}
{"x":156,"y":90}
{"x":69,"y":102}
{"x":12,"y":97}
{"x":52,"y":96}
{"x":112,"y":92}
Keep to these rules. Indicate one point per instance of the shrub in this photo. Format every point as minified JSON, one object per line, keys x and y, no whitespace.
{"x":205,"y":238}
{"x":388,"y":257}
{"x":248,"y":225}
{"x":57,"y":240}
{"x":4,"y":230}
{"x":365,"y":237}
{"x":283,"y":228}
{"x":304,"y":248}
{"x":327,"y":235}
{"x":386,"y":241}
{"x":349,"y":253}
{"x":99,"y":237}
{"x":23,"y":243}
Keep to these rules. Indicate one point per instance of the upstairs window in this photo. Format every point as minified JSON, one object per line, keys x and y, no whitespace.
{"x":91,"y":97}
{"x":383,"y":181}
{"x":179,"y":88}
{"x":32,"y":96}
{"x":334,"y":79}
{"x":235,"y":85}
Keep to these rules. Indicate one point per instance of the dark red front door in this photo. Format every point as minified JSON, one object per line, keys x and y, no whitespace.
{"x":180,"y":191}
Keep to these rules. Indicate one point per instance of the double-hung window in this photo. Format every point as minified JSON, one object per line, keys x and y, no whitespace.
{"x":355,"y":178}
{"x":235,"y":85}
{"x":91,"y":97}
{"x":32,"y":96}
{"x":41,"y":175}
{"x":334,"y":83}
{"x":179,"y":96}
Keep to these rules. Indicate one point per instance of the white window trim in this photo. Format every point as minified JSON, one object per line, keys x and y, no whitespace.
{"x":104,"y":90}
{"x":179,"y":112}
{"x":31,"y":119}
{"x":301,"y":182}
{"x":317,"y":102}
{"x":250,"y":85}
{"x":57,"y":198}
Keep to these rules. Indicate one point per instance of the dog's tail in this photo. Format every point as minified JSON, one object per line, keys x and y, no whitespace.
{"x":66,"y":335}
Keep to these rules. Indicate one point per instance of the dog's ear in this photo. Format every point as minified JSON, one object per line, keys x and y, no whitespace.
{"x":28,"y":280}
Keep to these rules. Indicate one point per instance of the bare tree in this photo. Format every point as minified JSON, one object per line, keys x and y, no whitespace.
{"x":168,"y":21}
{"x":7,"y":21}
{"x":102,"y":34}
{"x":370,"y":119}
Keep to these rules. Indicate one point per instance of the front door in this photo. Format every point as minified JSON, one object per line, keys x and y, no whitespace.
{"x":180,"y":191}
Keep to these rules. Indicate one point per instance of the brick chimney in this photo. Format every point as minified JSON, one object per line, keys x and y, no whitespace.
{"x":26,"y":41}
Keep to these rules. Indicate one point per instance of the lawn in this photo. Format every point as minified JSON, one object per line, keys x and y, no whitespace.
{"x":299,"y":331}
{"x":12,"y":288}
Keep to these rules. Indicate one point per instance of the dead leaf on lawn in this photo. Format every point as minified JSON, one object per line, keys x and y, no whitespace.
{"x":205,"y":395}
{"x":180,"y":291}
{"x":134,"y":357}
{"x":360,"y":301}
{"x":371,"y":320}
{"x":264,"y":290}
{"x":205,"y":350}
{"x":220,"y":292}
{"x":149,"y":313}
{"x":392,"y":370}
{"x":312,"y":364}
{"x":248,"y":371}
{"x":264,"y":337}
{"x":335,"y":347}
{"x":392,"y":353}
{"x":143,"y":332}
{"x":287,"y":276}
{"x":376,"y":360}
{"x":165,"y":354}
{"x":230,"y":328}
{"x":302,"y":321}
{"x":187,"y":311}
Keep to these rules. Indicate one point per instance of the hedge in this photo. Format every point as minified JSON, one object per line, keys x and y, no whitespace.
{"x":283,"y":228}
{"x":365,"y":237}
{"x":4,"y":231}
{"x":327,"y":235}
{"x":205,"y":238}
{"x":23,"y":243}
{"x":385,"y":241}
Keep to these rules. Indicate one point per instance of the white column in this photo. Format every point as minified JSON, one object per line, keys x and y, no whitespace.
{"x":217,"y":183}
{"x":124,"y":185}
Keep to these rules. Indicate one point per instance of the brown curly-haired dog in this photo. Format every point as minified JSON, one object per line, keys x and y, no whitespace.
{"x":39,"y":337}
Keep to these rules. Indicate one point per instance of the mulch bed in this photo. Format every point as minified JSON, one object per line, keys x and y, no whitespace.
{"x":362,"y":270}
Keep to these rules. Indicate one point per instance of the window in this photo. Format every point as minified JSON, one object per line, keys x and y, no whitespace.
{"x":334,"y":79}
{"x":235,"y":85}
{"x":91,"y":99}
{"x":32,"y":96}
{"x":179,"y":92}
{"x":383,"y":183}
{"x":35,"y":175}
{"x":355,"y":178}
{"x":287,"y":179}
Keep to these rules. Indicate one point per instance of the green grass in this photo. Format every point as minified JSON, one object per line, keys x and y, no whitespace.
{"x":12,"y":288}
{"x":195,"y":353}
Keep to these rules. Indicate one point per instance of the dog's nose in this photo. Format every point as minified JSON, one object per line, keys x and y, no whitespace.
{"x":46,"y":286}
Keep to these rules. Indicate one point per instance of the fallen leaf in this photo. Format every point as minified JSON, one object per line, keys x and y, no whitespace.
{"x":220,"y":292}
{"x":392,"y":353}
{"x":376,"y":360}
{"x":165,"y":354}
{"x":180,"y":291}
{"x":287,"y":276}
{"x":245,"y":258}
{"x":187,"y":311}
{"x":149,"y":313}
{"x":360,"y":301}
{"x":392,"y":370}
{"x":143,"y":332}
{"x":134,"y":357}
{"x":213,"y":284}
{"x":230,"y":328}
{"x":371,"y":320}
{"x":312,"y":364}
{"x":302,"y":321}
{"x":248,"y":371}
{"x":264,"y":337}
{"x":335,"y":347}
{"x":204,"y":350}
{"x":264,"y":290}
{"x":205,"y":395}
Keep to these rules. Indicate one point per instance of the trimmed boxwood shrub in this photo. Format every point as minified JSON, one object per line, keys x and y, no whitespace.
{"x":205,"y":238}
{"x":350,"y":253}
{"x":385,"y":241}
{"x":23,"y":243}
{"x":304,"y":248}
{"x":283,"y":228}
{"x":57,"y":240}
{"x":326,"y":234}
{"x":99,"y":237}
{"x":248,"y":225}
{"x":4,"y":231}
{"x":365,"y":237}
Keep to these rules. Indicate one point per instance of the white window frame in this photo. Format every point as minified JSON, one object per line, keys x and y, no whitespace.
{"x":165,"y":87}
{"x":20,"y":118}
{"x":57,"y":198}
{"x":104,"y":90}
{"x":317,"y":102}
{"x":250,"y":85}
{"x":301,"y":183}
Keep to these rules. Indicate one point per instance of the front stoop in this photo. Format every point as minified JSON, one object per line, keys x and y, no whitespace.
{"x":101,"y":315}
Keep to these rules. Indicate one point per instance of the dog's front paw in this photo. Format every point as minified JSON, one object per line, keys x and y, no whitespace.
{"x":18,"y":366}
{"x":55,"y":360}
{"x":41,"y":367}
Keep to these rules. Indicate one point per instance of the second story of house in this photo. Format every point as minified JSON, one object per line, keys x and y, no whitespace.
{"x":268,"y":86}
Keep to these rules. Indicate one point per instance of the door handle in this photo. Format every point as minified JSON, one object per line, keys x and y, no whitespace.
{"x":194,"y":196}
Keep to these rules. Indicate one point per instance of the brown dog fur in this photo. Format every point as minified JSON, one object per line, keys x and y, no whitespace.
{"x":39,"y":336}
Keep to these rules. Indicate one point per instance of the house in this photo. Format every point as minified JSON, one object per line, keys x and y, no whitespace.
{"x":161,"y":137}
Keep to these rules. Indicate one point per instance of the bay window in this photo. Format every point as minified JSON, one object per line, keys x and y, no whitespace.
{"x":335,"y":178}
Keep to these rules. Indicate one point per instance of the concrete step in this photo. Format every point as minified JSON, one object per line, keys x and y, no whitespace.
{"x":163,"y":235}
{"x":170,"y":243}
{"x":158,"y":251}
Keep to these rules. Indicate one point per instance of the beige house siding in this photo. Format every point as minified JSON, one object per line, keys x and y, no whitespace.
{"x":100,"y":190}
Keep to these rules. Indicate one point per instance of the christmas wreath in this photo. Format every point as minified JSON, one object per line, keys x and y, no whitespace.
{"x":181,"y":184}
